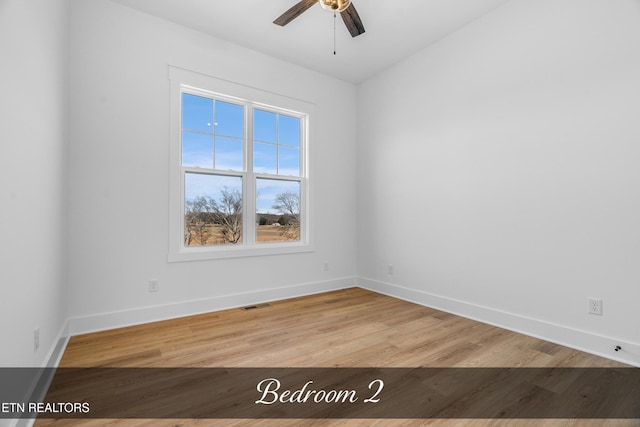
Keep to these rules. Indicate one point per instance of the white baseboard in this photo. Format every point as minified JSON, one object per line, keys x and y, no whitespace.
{"x":40,"y":384}
{"x":59,"y":345}
{"x":559,"y":334}
{"x":588,"y":342}
{"x":118,"y":319}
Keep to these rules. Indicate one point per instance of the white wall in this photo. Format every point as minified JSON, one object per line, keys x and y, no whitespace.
{"x":119,"y":173}
{"x":499,"y":172}
{"x":33,"y":148}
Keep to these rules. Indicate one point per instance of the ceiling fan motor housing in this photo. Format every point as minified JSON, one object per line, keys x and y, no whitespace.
{"x":345,"y":8}
{"x":334,"y":5}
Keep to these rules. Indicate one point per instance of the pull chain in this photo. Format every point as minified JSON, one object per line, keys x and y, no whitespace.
{"x":334,"y":33}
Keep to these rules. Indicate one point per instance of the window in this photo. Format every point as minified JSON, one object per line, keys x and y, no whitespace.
{"x":239,"y":183}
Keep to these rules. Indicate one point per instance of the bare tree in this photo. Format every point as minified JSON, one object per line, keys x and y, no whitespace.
{"x":228,"y":215}
{"x":204,"y":212}
{"x":198,"y":215}
{"x":288,"y":204}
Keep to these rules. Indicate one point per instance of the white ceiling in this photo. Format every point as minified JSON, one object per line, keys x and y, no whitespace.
{"x":395,"y":29}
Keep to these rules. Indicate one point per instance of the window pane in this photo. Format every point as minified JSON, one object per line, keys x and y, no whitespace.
{"x":289,"y":131}
{"x":288,"y":161}
{"x":197,"y":150}
{"x":264,"y":126}
{"x":277,"y":210}
{"x":228,"y":153}
{"x":229,"y":119}
{"x":197,"y":113}
{"x":213,"y":210}
{"x":265,"y":158}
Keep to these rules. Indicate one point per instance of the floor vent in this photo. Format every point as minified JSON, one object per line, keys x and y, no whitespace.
{"x":254,"y":307}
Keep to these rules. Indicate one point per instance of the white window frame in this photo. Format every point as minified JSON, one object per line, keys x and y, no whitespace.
{"x":185,"y":81}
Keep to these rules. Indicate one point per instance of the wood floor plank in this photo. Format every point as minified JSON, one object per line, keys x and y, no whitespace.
{"x":346,"y":328}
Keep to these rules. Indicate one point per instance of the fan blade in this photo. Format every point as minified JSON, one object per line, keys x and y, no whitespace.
{"x":352,"y":20}
{"x":294,"y":12}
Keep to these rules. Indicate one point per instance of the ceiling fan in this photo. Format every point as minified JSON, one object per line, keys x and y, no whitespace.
{"x":346,"y":9}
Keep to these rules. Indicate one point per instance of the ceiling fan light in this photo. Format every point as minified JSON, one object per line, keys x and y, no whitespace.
{"x":334,"y":5}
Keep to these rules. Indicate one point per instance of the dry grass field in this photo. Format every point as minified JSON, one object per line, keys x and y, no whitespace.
{"x":212,"y":235}
{"x":269,"y":233}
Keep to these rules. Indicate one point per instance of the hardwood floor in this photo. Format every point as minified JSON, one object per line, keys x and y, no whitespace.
{"x":346,"y":328}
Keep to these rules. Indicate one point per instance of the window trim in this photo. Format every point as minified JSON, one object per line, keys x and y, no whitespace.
{"x":182,"y":80}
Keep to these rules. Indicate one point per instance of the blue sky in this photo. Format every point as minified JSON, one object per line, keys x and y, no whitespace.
{"x":213,"y":138}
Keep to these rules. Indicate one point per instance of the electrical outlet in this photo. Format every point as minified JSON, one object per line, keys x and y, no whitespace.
{"x":36,"y":339}
{"x":325,"y":266}
{"x":153,"y":285}
{"x":390,"y":269}
{"x":595,"y":306}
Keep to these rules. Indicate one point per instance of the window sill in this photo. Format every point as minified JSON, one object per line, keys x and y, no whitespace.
{"x":228,"y":251}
